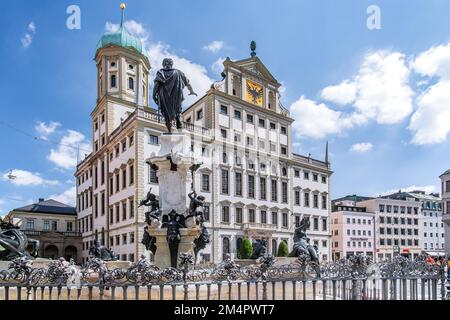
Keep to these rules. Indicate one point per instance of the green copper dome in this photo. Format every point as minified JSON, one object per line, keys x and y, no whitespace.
{"x":121,"y":38}
{"x":446,"y":172}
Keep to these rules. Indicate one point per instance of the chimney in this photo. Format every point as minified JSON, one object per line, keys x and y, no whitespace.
{"x":41,"y":200}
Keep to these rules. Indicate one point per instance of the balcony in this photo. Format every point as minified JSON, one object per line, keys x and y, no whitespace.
{"x":35,"y":233}
{"x":160,"y":119}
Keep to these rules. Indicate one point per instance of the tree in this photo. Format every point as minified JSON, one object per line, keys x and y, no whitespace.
{"x":283,"y":250}
{"x":246,"y":249}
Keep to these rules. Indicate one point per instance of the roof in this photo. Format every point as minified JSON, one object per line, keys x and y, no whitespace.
{"x":49,"y":207}
{"x":353,"y":197}
{"x":121,"y":38}
{"x":446,"y":172}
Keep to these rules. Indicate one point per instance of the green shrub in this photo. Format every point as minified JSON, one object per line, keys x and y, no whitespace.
{"x":246,"y":249}
{"x":283,"y":250}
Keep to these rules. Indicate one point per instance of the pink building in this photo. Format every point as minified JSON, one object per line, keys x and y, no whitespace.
{"x":352,"y":231}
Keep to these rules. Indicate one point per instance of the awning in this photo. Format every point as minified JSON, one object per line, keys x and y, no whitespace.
{"x":435,"y":253}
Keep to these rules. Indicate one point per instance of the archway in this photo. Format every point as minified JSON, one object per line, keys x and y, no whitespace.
{"x":70,"y":252}
{"x":51,"y":252}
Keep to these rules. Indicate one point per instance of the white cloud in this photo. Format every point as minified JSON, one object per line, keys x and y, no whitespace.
{"x":26,"y":178}
{"x":362,"y":147}
{"x":67,"y":197}
{"x":157,"y":51}
{"x":426,"y":189}
{"x":27,"y":39}
{"x":430,"y":123}
{"x":46,"y":129}
{"x":314,"y":120}
{"x":380,"y":92}
{"x":66,"y":155}
{"x":217,"y":66}
{"x":342,"y":94}
{"x":214,"y":46}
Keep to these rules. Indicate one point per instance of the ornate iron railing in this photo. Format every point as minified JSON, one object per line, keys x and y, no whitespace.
{"x":354,"y":278}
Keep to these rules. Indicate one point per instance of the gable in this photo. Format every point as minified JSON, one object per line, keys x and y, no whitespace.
{"x":255,"y":67}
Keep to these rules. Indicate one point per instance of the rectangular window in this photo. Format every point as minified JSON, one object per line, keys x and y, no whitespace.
{"x":283,"y":130}
{"x":284,"y":192}
{"x":237,"y":114}
{"x":225,"y":183}
{"x":206,"y":212}
{"x":153,"y":140}
{"x":262,"y":188}
{"x":274,"y":190}
{"x":283,"y":150}
{"x":54,"y":225}
{"x":262,"y":123}
{"x":224,"y":110}
{"x":275,"y":218}
{"x":225,"y":214}
{"x":306,"y":199}
{"x":297,"y":198}
{"x":273,"y":126}
{"x":285,"y":220}
{"x":223,"y":133}
{"x":251,"y":186}
{"x":263,"y":217}
{"x":251,"y":215}
{"x":324,"y":202}
{"x":124,"y":178}
{"x":131,"y":208}
{"x":205,"y":182}
{"x":324,"y":224}
{"x":238,"y":215}
{"x":153,"y":177}
{"x":250,"y":118}
{"x":200,"y":114}
{"x":124,"y":211}
{"x":316,"y":223}
{"x":30,"y":224}
{"x":238,"y":183}
{"x":131,"y":175}
{"x":316,"y":201}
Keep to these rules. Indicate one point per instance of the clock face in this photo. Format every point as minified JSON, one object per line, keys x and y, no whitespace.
{"x":254,"y":93}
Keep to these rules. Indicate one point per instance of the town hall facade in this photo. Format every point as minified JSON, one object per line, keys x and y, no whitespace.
{"x":254,"y":185}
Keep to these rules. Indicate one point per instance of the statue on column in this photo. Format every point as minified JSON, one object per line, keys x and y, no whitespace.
{"x":168,"y":93}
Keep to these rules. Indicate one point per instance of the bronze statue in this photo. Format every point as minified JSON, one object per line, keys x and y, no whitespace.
{"x":14,"y":242}
{"x":103,"y":253}
{"x":155,"y":213}
{"x":174,"y":222}
{"x":301,"y":242}
{"x":168,"y":92}
{"x":259,"y":248}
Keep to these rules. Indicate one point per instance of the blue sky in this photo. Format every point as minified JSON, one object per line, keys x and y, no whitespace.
{"x":381,"y":97}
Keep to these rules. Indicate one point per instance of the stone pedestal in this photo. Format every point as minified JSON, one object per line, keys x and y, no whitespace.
{"x":162,"y":256}
{"x":111,"y":265}
{"x":174,"y":175}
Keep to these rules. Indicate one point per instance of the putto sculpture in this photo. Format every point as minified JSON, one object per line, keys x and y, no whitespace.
{"x":151,"y":216}
{"x":14,"y":243}
{"x":168,"y":93}
{"x":197,"y":211}
{"x":173,"y":222}
{"x":302,"y":247}
{"x":101,"y":252}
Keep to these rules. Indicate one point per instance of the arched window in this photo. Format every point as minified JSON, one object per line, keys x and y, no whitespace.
{"x":131,"y":83}
{"x":113,"y":81}
{"x":225,"y":247}
{"x":239,"y":246}
{"x":272,"y":101}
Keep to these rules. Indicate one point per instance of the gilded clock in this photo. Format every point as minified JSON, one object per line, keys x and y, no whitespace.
{"x":254,"y":93}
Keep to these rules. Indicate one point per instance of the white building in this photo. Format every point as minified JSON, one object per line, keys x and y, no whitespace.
{"x":445,"y":183}
{"x":253,"y":183}
{"x":432,"y":235}
{"x":397,"y":227}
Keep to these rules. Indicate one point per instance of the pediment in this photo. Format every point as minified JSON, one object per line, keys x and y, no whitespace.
{"x":256,"y":68}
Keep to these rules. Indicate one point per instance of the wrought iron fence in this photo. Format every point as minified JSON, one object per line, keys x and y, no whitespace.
{"x":350,"y":279}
